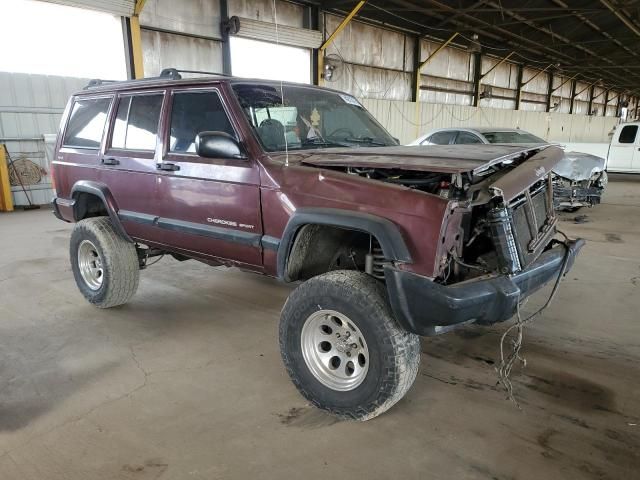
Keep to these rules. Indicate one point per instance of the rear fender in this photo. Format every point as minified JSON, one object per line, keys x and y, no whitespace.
{"x":101,"y":191}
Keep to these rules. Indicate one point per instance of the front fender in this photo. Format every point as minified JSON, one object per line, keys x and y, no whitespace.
{"x":385,"y":231}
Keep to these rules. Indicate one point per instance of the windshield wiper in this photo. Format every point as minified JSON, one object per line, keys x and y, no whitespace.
{"x":368,"y":141}
{"x":319,"y":142}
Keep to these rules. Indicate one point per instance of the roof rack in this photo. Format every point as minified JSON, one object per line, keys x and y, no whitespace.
{"x":174,"y":73}
{"x":167,"y":73}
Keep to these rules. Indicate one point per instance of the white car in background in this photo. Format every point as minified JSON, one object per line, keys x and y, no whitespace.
{"x":580,"y":179}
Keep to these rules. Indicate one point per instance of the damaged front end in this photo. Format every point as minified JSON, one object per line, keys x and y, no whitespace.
{"x":508,"y":250}
{"x":580,"y":180}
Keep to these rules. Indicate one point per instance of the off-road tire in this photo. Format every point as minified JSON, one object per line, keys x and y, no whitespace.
{"x":121,"y":270}
{"x":394,"y":353}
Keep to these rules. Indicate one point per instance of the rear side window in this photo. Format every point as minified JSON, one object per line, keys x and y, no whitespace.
{"x":86,"y":123}
{"x":440,"y":138}
{"x":136,"y":125}
{"x":192,"y":113}
{"x":466,"y":138}
{"x":628,"y":134}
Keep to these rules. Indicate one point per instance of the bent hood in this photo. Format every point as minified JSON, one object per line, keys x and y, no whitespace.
{"x":432,"y":158}
{"x":578,"y":166}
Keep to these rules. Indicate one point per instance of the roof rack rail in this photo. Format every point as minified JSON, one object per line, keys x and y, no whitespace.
{"x":170,"y":73}
{"x":96,"y":82}
{"x":174,"y":73}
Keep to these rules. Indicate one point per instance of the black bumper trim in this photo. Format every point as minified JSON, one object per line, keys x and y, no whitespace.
{"x":56,"y":208}
{"x":427,"y":308}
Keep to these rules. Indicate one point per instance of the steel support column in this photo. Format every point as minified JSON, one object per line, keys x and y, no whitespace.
{"x":573,"y":95}
{"x":477,"y":66}
{"x":549,"y":92}
{"x":520,"y":85}
{"x":311,"y":21}
{"x":415,"y":84}
{"x":606,"y":103}
{"x":226,"y":43}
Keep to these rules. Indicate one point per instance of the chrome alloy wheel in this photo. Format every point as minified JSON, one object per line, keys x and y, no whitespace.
{"x":334,"y":350}
{"x":90,"y":265}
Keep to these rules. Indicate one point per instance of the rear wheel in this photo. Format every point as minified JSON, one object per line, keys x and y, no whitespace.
{"x":342,"y":347}
{"x":105,"y":265}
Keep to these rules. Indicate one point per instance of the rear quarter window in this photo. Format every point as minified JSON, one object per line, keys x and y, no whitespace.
{"x":86,"y":123}
{"x":628,"y":134}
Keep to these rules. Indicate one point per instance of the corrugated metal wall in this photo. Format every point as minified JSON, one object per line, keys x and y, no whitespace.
{"x":407,"y":122}
{"x":30,"y":107}
{"x":183,"y":35}
{"x":379,"y":71}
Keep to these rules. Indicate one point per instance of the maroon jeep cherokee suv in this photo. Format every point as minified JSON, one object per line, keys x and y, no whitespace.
{"x":301,"y":183}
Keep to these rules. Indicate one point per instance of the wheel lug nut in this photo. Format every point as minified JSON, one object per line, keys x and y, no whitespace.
{"x":354,"y":345}
{"x":337,"y":335}
{"x":348,"y":354}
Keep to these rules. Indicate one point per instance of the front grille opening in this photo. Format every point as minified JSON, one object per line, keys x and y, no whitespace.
{"x":505,"y":239}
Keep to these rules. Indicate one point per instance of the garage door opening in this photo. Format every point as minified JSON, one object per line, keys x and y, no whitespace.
{"x":255,"y":59}
{"x":48,"y":39}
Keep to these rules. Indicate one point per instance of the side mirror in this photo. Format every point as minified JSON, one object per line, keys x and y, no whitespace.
{"x":218,"y":145}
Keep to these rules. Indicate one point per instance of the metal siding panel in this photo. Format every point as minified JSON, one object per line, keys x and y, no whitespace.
{"x":282,"y":34}
{"x":31,"y":106}
{"x":384,"y":48}
{"x":402,"y":121}
{"x":451,"y":62}
{"x":163,"y":50}
{"x":287,"y":13}
{"x":194,"y":17}
{"x":538,"y":85}
{"x":370,"y":82}
{"x":116,"y":7}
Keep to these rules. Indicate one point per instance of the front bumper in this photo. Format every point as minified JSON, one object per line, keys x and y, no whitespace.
{"x":424,"y":307}
{"x":571,"y":197}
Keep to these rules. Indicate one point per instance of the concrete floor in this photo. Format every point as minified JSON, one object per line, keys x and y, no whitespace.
{"x":186,"y":381}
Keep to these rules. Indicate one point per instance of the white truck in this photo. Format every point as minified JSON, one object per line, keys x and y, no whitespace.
{"x":622,"y":154}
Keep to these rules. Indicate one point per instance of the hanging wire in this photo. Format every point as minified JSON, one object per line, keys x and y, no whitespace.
{"x":286,"y":143}
{"x":508,"y":361}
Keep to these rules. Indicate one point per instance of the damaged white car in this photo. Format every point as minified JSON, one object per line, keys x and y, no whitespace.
{"x":580,"y":178}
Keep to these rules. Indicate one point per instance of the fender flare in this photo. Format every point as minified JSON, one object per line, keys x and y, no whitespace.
{"x":384,"y":230}
{"x":101,"y":191}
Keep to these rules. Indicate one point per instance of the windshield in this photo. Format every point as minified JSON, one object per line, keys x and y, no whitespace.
{"x":308,"y":118}
{"x":511,"y":137}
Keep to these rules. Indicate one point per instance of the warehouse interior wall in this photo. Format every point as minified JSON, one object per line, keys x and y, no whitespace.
{"x":31,"y":107}
{"x":406,"y":121}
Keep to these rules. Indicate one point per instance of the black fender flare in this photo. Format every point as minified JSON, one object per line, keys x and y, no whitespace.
{"x":101,"y":191}
{"x":384,"y":230}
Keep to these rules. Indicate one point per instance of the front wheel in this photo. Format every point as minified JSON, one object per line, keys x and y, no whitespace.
{"x":342,"y":347}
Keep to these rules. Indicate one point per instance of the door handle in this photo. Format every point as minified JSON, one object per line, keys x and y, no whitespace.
{"x":172,"y":167}
{"x":110,"y":161}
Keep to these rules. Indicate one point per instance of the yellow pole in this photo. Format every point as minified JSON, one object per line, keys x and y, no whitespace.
{"x":6,"y":201}
{"x":332,"y":37}
{"x":136,"y":40}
